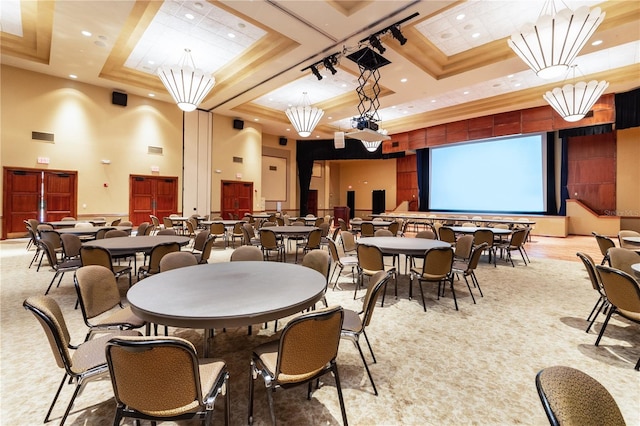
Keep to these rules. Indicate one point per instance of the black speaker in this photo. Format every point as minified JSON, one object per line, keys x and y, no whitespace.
{"x":283,"y":141}
{"x":238,"y":124}
{"x":118,"y":98}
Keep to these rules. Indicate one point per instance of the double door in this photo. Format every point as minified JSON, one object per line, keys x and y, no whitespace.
{"x":152,"y":195}
{"x":236,"y":199}
{"x":46,"y":195}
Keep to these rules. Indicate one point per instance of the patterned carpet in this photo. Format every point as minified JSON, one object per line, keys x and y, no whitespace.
{"x":443,"y":367}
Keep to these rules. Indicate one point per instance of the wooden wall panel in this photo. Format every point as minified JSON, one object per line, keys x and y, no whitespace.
{"x":407,"y":181}
{"x":397,"y":143}
{"x":458,"y":131}
{"x":436,"y":135}
{"x":418,"y":139}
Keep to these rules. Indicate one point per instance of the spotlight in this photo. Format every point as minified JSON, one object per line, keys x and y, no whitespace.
{"x":375,"y":43}
{"x":315,"y":72}
{"x":395,"y":31}
{"x":329,"y":62}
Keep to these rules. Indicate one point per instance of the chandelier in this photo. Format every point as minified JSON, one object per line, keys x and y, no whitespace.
{"x":187,"y":85}
{"x":574,"y":101}
{"x":550,"y":45}
{"x":371,"y":146}
{"x":304,"y":117}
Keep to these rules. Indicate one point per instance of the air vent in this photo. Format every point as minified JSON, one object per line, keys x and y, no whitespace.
{"x":154,"y":150}
{"x":395,"y":144}
{"x":41,"y":136}
{"x":273,"y":168}
{"x":237,"y":159}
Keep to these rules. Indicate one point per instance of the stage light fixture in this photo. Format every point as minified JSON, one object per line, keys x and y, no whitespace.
{"x":397,"y":34}
{"x":315,"y":72}
{"x":329,"y":62}
{"x":375,"y":43}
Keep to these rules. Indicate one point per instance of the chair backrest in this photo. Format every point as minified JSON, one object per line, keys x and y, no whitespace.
{"x":50,"y":252}
{"x":67,"y":218}
{"x":518,"y":237}
{"x":157,"y":253}
{"x":370,"y":258}
{"x":177,"y":259}
{"x":126,"y":223}
{"x":200,"y":239}
{"x":483,"y":236}
{"x":149,"y":229}
{"x":206,"y":249}
{"x":622,"y":290}
{"x":327,"y":219}
{"x":52,"y":236}
{"x":48,"y":313}
{"x":97,"y":290}
{"x":247,"y":253}
{"x":333,"y":250}
{"x":376,"y":284}
{"x":318,"y":260}
{"x":383,"y":233}
{"x":114,"y":233}
{"x":168,"y":223}
{"x":71,"y":245}
{"x":590,"y":266}
{"x":446,"y":234}
{"x":474,"y":258}
{"x":319,"y":221}
{"x":102,"y":232}
{"x":367,"y":229}
{"x":96,"y":256}
{"x":571,"y":397}
{"x":428,"y":234}
{"x":191,"y":228}
{"x":155,"y":221}
{"x":267,"y":223}
{"x":342,"y":224}
{"x":142,"y":228}
{"x":83,"y":225}
{"x":154,"y":374}
{"x":604,"y":243}
{"x":468,"y":224}
{"x":268,"y":239}
{"x":314,"y":239}
{"x":394,"y":227}
{"x":169,"y":231}
{"x":628,"y":233}
{"x":463,"y":246}
{"x":297,"y":223}
{"x":237,"y":229}
{"x":348,"y":241}
{"x":116,"y":222}
{"x":308,"y":343}
{"x":324,"y":227}
{"x":34,"y":224}
{"x":438,"y":262}
{"x":622,"y":258}
{"x":216,"y":229}
{"x":43,"y":227}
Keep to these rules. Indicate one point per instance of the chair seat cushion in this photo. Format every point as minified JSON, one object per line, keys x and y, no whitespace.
{"x":92,"y":352}
{"x":121,"y":316}
{"x":633,"y":316}
{"x":352,"y":321}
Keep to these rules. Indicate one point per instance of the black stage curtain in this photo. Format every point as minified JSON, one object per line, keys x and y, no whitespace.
{"x":627,"y":109}
{"x":564,"y":167}
{"x":422,"y":157}
{"x":552,"y":207}
{"x":307,"y":151}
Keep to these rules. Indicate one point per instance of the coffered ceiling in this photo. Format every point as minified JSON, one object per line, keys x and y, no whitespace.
{"x":455,"y":64}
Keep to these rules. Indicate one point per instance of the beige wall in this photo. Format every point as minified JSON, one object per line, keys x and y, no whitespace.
{"x":364,"y":176}
{"x":87,"y":129}
{"x":271,"y":146}
{"x":628,"y":172}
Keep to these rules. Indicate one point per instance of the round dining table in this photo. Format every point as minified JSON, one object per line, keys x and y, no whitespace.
{"x":71,"y":223}
{"x":410,"y":247}
{"x":90,"y":230}
{"x":230,"y":294}
{"x":122,"y":246}
{"x":472,"y":229}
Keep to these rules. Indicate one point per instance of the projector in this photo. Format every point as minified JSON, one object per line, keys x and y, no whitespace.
{"x":361,"y":123}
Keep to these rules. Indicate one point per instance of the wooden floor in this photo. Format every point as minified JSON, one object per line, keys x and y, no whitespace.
{"x":563,"y":248}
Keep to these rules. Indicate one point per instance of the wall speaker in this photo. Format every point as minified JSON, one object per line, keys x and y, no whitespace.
{"x":283,"y":141}
{"x":338,"y":140}
{"x":238,"y":124}
{"x":118,"y":98}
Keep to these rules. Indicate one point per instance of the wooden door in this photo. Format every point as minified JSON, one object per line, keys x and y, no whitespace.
{"x":46,"y":195}
{"x":236,"y":198}
{"x":312,"y":202}
{"x":152,"y":195}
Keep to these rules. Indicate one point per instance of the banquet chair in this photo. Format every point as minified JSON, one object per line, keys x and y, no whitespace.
{"x":126,"y":223}
{"x":53,"y":237}
{"x":341,"y":262}
{"x":59,"y":266}
{"x":367,"y":229}
{"x":604,"y":244}
{"x":383,"y":233}
{"x":247,"y":253}
{"x":87,"y":362}
{"x":320,"y":261}
{"x":250,"y":235}
{"x":467,"y":268}
{"x":436,"y":267}
{"x":596,"y":283}
{"x":169,"y":231}
{"x":269,"y":243}
{"x":101,"y":256}
{"x":236,"y":233}
{"x":306,"y":350}
{"x":624,"y":244}
{"x":319,"y":221}
{"x":623,"y":294}
{"x":177,"y":259}
{"x":486,"y":236}
{"x":155,"y":256}
{"x":348,"y":243}
{"x":203,"y":256}
{"x":297,"y":239}
{"x":622,"y":259}
{"x":102,"y":233}
{"x":101,"y":303}
{"x":324,"y":233}
{"x":463,"y":247}
{"x":312,"y":242}
{"x":370,"y":261}
{"x":191,"y":228}
{"x":447,"y":235}
{"x":167,"y":223}
{"x":162,"y":378}
{"x":342,"y":224}
{"x":115,"y":233}
{"x":573,"y":398}
{"x":68,"y":218}
{"x":428,"y":234}
{"x":156,"y":222}
{"x":199,"y":240}
{"x":515,"y":242}
{"x":71,"y":245}
{"x":217,"y":230}
{"x":142,"y":228}
{"x":394,"y":227}
{"x":355,"y":322}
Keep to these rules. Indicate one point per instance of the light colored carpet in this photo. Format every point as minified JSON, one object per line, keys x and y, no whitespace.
{"x":442,"y":367}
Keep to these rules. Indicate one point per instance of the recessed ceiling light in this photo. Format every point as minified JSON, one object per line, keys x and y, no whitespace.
{"x":151,"y":62}
{"x":393,"y":106}
{"x":466,"y":92}
{"x":231,"y":35}
{"x":403,"y":80}
{"x":317,"y":136}
{"x":288,"y":130}
{"x":344,"y":84}
{"x":198,"y":5}
{"x":517,"y":85}
{"x":596,"y":43}
{"x":256,"y":119}
{"x":433,"y":101}
{"x":241,"y":25}
{"x":100,"y":43}
{"x":329,"y":118}
{"x":189,"y":16}
{"x":86,"y":33}
{"x":460,"y":17}
{"x":153,"y":95}
{"x":510,"y":76}
{"x":73,"y":76}
{"x":475,"y":35}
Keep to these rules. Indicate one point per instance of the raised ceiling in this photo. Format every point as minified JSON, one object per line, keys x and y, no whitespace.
{"x":456,"y":63}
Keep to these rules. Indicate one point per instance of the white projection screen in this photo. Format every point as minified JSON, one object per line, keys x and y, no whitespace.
{"x":502,"y":175}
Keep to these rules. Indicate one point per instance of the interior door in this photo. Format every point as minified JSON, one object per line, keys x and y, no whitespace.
{"x":59,"y":195}
{"x":152,"y":195}
{"x":312,"y":202}
{"x":236,"y":199}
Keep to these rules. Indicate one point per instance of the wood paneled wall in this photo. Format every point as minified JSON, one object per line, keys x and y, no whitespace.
{"x":592,"y":171}
{"x":532,"y":120}
{"x":407,"y":181}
